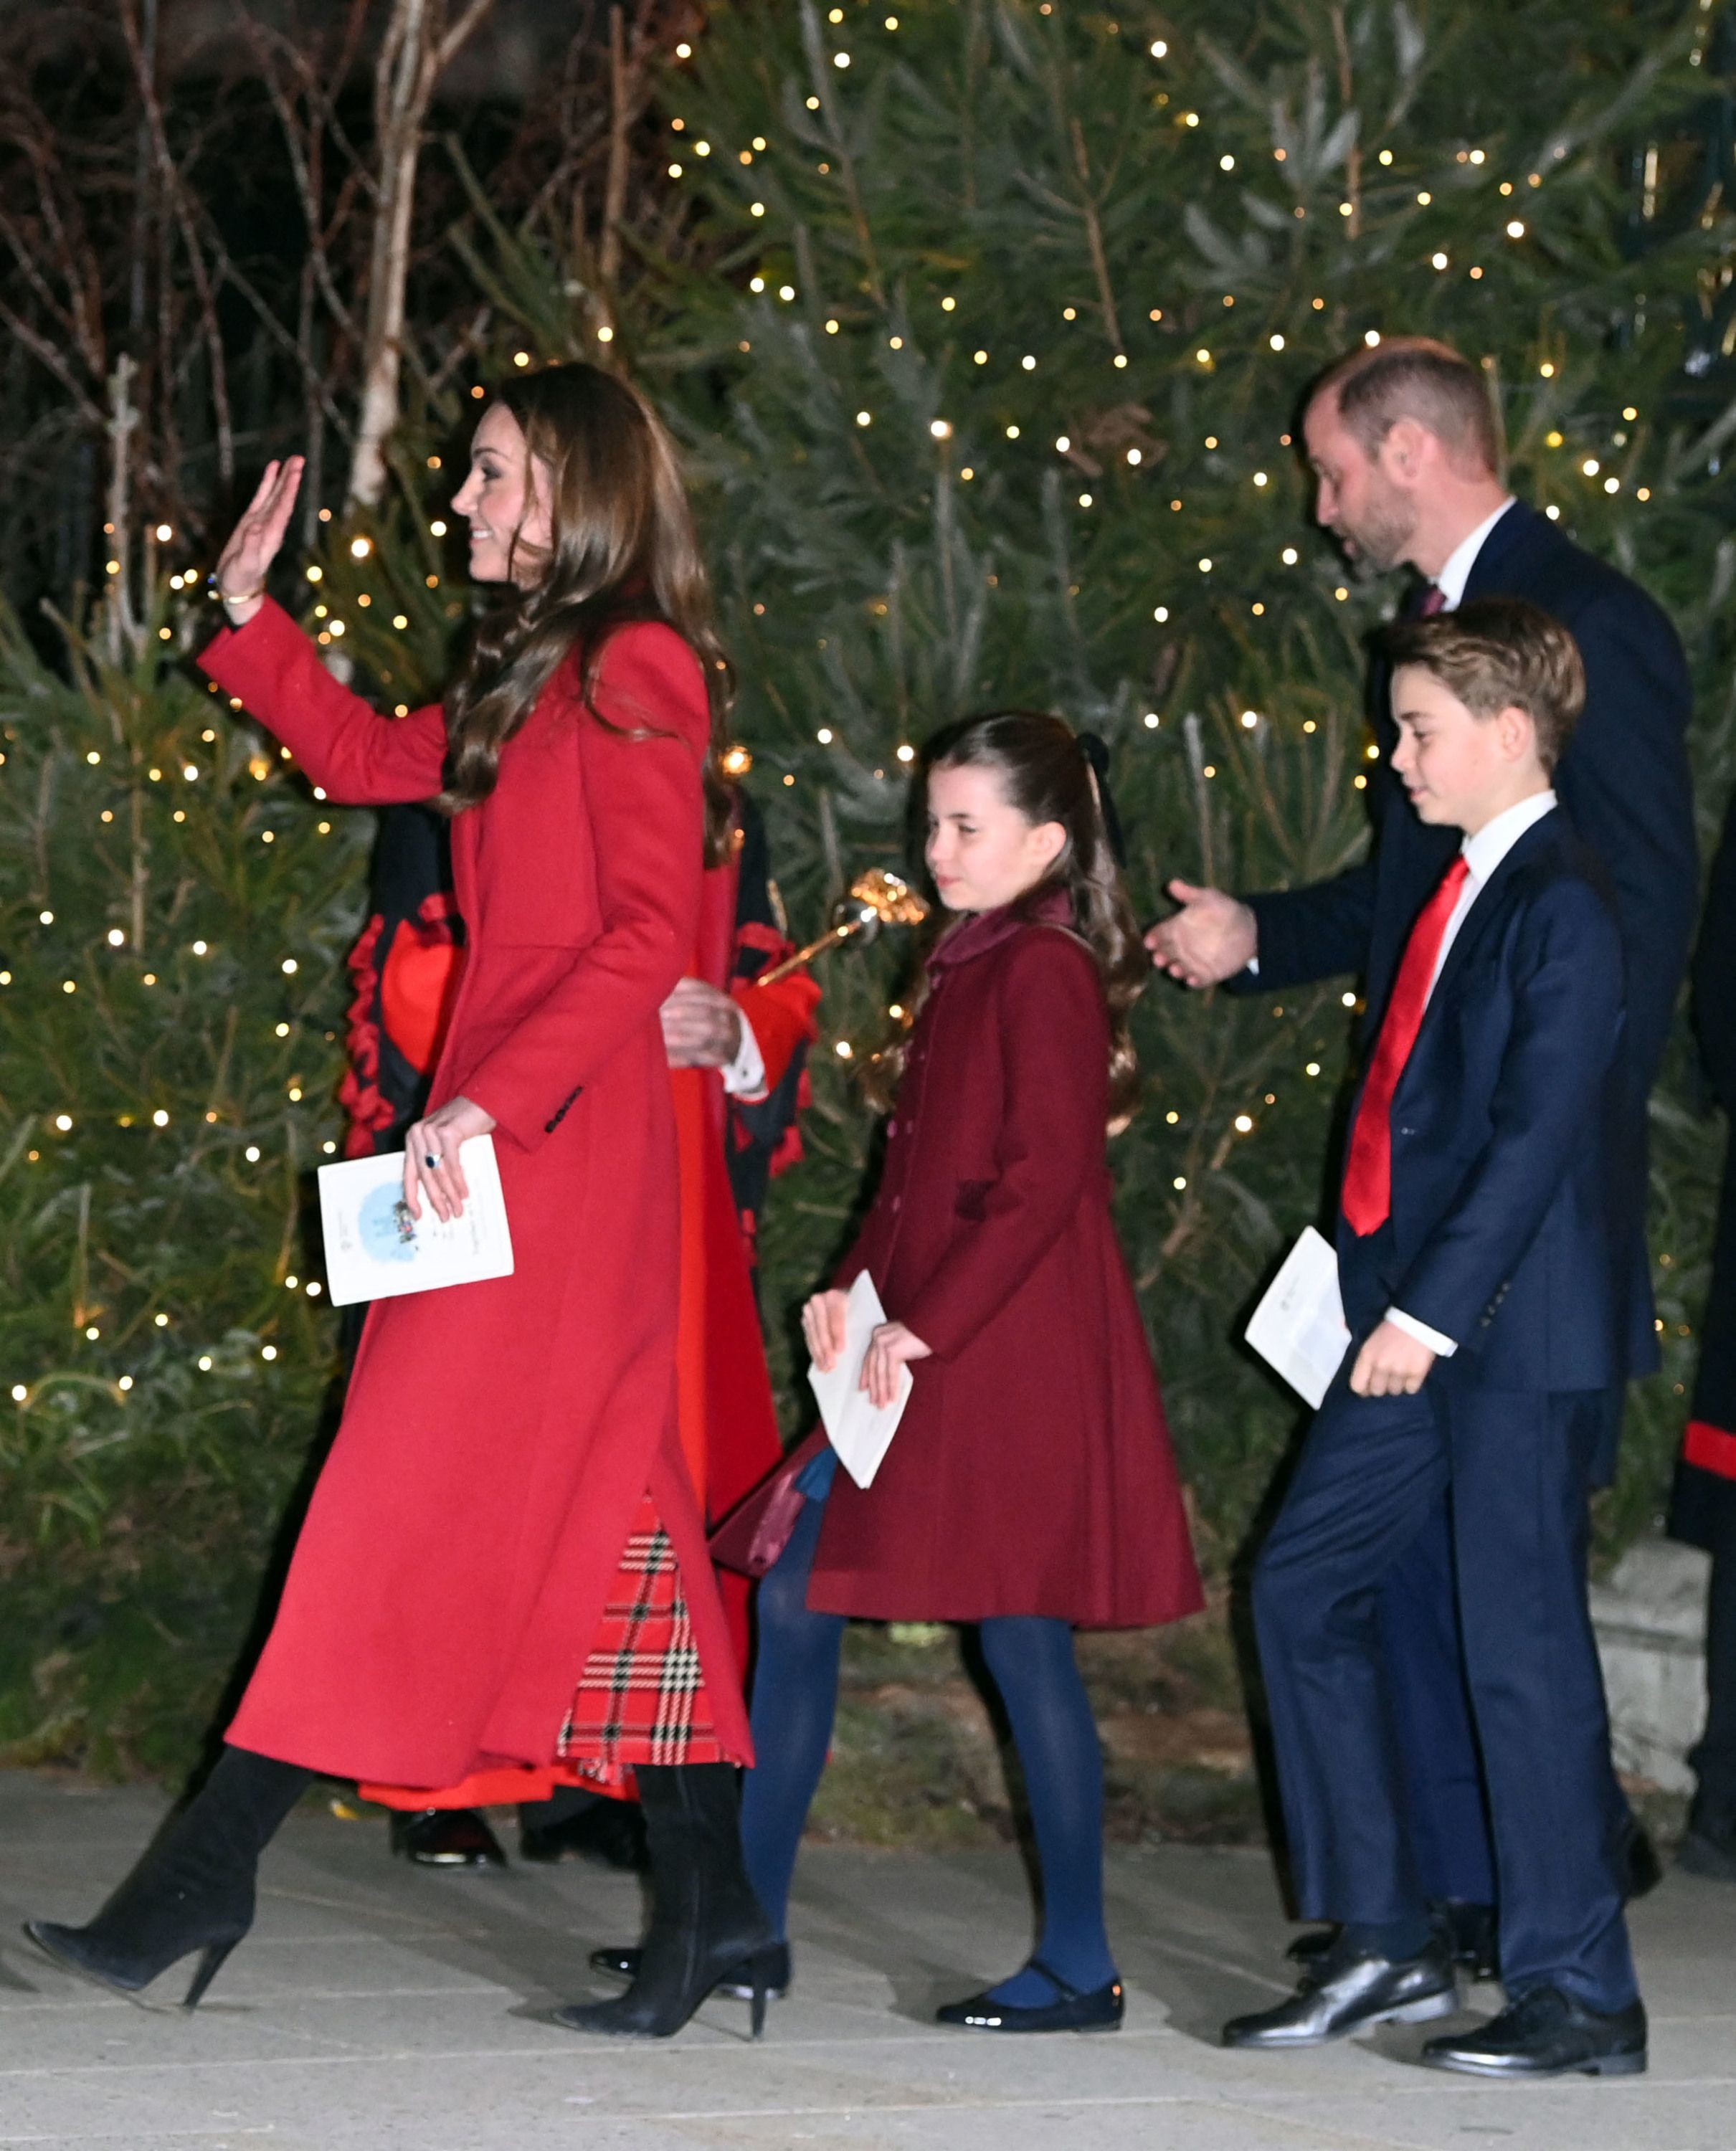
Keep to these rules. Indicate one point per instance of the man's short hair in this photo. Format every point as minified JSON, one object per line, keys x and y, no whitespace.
{"x":1496,"y":654}
{"x":1416,"y":378}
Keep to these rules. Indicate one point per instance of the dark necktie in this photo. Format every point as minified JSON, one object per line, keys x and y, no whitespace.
{"x":1369,"y":1170}
{"x":1433,"y":601}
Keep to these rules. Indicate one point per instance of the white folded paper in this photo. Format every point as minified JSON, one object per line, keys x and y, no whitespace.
{"x":374,"y":1249}
{"x":1298,"y":1328}
{"x":858,"y":1429}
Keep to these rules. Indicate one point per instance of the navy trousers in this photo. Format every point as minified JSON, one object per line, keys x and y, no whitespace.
{"x":1449,"y":1809}
{"x":1500,"y":1479}
{"x":1452,"y":1844}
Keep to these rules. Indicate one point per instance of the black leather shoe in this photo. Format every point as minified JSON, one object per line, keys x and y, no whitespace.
{"x":1469,"y":1929}
{"x":446,"y":1837}
{"x":1345,"y":1993}
{"x":610,"y":1832}
{"x":772,"y":1965}
{"x":1471,"y":1934}
{"x":1072,"y":2010}
{"x":1638,"y":1869}
{"x":1548,"y":2033}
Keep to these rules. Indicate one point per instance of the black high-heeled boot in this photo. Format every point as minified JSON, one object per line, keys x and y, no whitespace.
{"x":192,"y":1890}
{"x":705,"y":1919}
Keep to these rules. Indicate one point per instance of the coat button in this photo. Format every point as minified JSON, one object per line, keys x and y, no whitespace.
{"x":897,"y":1202}
{"x":891,"y":1128}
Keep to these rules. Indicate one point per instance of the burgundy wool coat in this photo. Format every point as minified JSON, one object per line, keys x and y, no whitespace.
{"x":498,"y":1438}
{"x":1032,"y":1472}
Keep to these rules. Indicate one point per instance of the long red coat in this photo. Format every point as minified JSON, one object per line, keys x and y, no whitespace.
{"x":1032,"y":1472}
{"x":499,"y":1437}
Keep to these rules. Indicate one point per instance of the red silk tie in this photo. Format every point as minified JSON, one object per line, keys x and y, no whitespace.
{"x":1369,"y":1170}
{"x":1433,"y":601}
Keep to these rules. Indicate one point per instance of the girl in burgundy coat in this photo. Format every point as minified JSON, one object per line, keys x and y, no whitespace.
{"x":1030,"y":1487}
{"x":504,"y":1561}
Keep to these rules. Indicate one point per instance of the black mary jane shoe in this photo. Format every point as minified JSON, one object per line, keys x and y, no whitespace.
{"x":771,"y":1966}
{"x":1345,"y":1993}
{"x":1072,"y":2010}
{"x":1547,"y":2033}
{"x":446,"y":1837}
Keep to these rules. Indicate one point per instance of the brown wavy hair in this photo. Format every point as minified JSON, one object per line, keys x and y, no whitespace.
{"x":1051,"y":773}
{"x":622,"y":548}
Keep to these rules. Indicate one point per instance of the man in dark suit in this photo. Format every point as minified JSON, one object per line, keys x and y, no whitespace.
{"x":1405,"y":445}
{"x":1491,"y":1305}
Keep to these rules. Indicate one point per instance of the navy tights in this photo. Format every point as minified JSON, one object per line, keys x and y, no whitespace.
{"x":1030,"y":1659}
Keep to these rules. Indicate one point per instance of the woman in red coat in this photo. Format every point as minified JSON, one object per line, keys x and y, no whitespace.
{"x":1030,"y":1487}
{"x":509,"y":1448}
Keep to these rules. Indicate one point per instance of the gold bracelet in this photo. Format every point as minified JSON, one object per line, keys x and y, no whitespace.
{"x":235,"y":598}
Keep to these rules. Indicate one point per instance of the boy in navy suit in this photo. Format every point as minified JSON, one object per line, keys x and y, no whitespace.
{"x":1484,"y":1285}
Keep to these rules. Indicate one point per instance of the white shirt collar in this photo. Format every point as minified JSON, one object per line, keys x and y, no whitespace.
{"x":1484,"y":852}
{"x":1456,"y":573}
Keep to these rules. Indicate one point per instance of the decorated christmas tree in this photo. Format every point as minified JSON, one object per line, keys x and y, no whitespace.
{"x":176,"y":906}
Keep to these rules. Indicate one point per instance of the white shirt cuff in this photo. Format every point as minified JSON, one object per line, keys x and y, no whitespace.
{"x":745,"y":1077}
{"x":1443,"y":1348}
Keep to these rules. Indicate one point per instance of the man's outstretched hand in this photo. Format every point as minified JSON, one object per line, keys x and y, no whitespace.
{"x":1209,"y":940}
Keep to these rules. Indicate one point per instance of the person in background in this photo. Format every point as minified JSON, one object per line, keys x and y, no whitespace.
{"x":1405,"y":441}
{"x":1703,"y":1502}
{"x":737,"y":1051}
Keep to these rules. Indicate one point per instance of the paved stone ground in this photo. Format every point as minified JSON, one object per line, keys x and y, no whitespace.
{"x":377,"y":2006}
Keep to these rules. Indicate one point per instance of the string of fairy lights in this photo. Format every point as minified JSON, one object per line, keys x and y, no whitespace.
{"x":1020,"y":372}
{"x":121,"y":957}
{"x":1016,"y":374}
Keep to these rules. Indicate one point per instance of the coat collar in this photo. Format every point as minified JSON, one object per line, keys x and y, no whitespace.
{"x":1490,"y":571}
{"x":1548,"y":829}
{"x":984,"y":930}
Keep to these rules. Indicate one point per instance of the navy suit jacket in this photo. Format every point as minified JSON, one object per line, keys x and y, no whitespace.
{"x":1501,"y":1234}
{"x":1623,"y":781}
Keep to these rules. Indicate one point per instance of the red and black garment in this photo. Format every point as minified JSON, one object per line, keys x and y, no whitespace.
{"x":405,"y":965}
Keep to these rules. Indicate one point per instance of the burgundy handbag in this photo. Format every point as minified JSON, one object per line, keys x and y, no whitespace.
{"x":758,"y":1528}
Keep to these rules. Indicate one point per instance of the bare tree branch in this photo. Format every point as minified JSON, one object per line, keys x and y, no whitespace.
{"x":416,"y":52}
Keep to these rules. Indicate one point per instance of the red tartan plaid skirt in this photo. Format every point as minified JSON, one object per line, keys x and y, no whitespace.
{"x":641,"y":1698}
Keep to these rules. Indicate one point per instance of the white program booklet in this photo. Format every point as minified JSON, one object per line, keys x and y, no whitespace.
{"x":859,"y":1430}
{"x":1298,"y":1328}
{"x":374,"y":1249}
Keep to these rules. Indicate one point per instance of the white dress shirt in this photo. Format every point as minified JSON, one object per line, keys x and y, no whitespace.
{"x":1482,"y":855}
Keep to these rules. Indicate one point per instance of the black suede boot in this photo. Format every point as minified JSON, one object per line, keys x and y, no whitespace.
{"x":705,"y":1919}
{"x":192,"y":1890}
